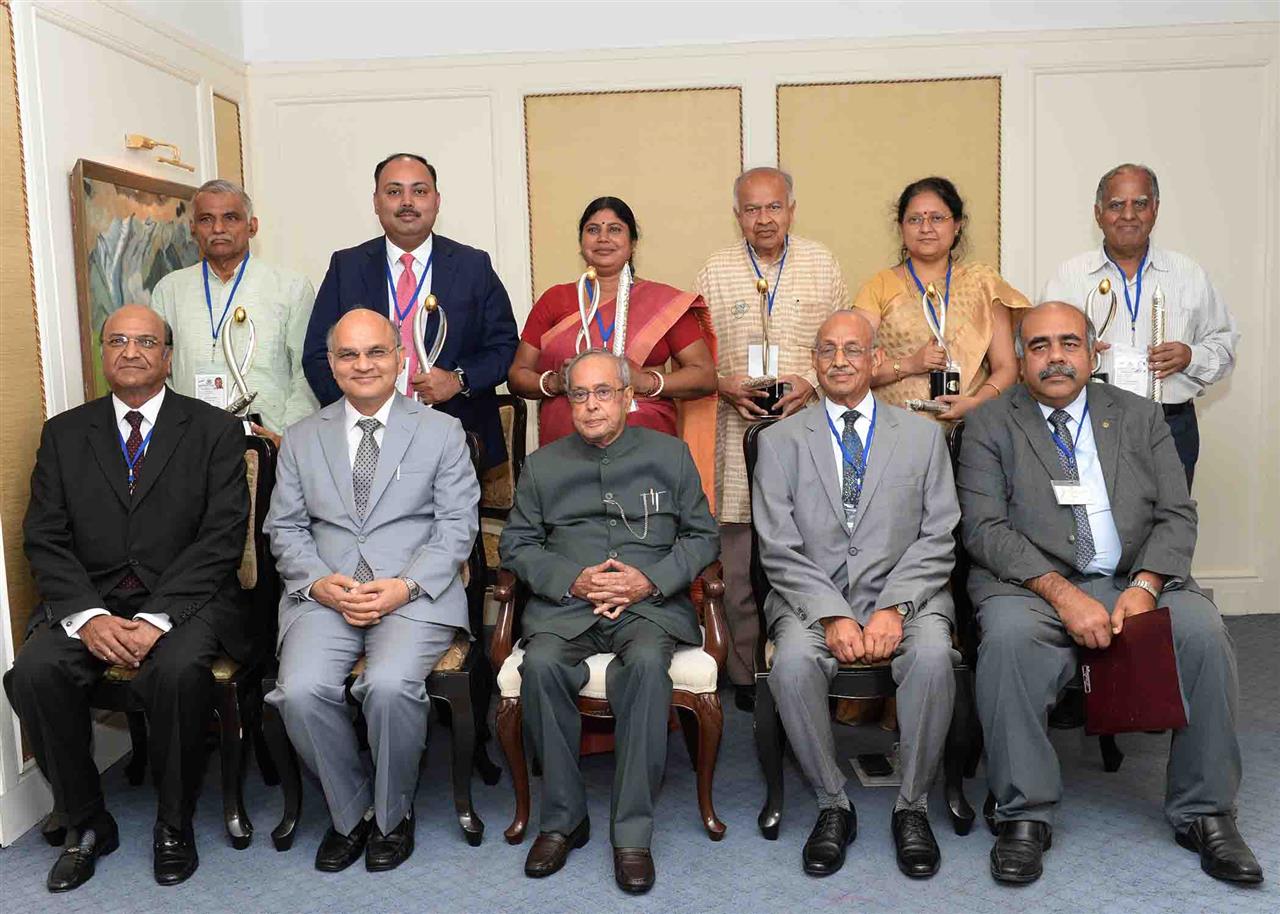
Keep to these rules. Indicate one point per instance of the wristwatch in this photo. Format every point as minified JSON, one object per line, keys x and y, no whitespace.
{"x":1136,"y":581}
{"x":414,"y":590}
{"x":465,"y":388}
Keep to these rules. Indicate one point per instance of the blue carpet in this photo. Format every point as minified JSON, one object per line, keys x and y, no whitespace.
{"x":1112,"y":849}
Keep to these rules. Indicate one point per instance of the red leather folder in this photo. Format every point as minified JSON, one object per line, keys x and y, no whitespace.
{"x":1133,"y":685}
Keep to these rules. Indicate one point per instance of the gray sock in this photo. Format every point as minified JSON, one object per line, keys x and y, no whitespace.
{"x":919,"y":805}
{"x":838,"y":800}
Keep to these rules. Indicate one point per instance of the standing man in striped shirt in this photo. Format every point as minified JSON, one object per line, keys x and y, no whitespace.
{"x":1200,"y":334}
{"x":805,"y":285}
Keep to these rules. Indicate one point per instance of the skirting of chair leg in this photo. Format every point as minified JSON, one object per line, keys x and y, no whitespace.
{"x":286,"y":761}
{"x":261,"y":754}
{"x":768,"y":733}
{"x":1111,"y":754}
{"x":960,"y":737}
{"x":710,"y":723}
{"x":232,"y":749}
{"x":481,"y":694}
{"x":509,"y":724}
{"x":135,"y":771}
{"x":456,"y":691}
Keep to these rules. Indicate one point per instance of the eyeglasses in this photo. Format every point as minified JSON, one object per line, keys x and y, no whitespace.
{"x":755,"y":209}
{"x":604,"y":393}
{"x":349,"y":356}
{"x":937,"y":220}
{"x":120,"y":341}
{"x":827,"y":351}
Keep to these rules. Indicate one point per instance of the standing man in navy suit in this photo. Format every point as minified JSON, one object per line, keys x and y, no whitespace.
{"x":393,"y":275}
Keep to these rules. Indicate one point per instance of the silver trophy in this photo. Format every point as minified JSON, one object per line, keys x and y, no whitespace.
{"x":1157,"y":339}
{"x":942,"y":381}
{"x":1108,"y":294}
{"x":588,"y":305}
{"x":239,"y":367}
{"x":427,"y":357}
{"x":774,"y":390}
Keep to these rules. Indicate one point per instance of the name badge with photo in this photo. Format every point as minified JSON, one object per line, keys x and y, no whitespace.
{"x":1070,"y":492}
{"x":1130,"y":371}
{"x":211,"y":387}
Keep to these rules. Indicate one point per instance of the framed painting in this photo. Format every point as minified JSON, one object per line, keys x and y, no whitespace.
{"x":130,"y":230}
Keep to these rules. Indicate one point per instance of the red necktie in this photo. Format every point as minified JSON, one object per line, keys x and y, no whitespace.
{"x":405,"y":288}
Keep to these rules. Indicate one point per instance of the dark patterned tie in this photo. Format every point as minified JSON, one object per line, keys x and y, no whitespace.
{"x":1085,"y":550}
{"x":134,"y":442}
{"x":852,"y":472}
{"x":362,"y":470}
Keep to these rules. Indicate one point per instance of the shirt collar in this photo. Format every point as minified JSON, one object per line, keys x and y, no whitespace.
{"x":149,"y":410}
{"x":215,"y":278}
{"x":421,"y":254}
{"x":354,"y":415}
{"x":1155,"y":258}
{"x":1075,"y":409}
{"x":865,"y":408}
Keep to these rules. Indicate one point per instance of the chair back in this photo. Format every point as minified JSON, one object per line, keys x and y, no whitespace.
{"x":498,"y":484}
{"x":476,"y":574}
{"x":257,"y":572}
{"x":759,"y":581}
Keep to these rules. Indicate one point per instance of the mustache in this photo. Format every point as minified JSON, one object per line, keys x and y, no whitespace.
{"x":1057,"y":369}
{"x":834,"y":372}
{"x":404,"y":210}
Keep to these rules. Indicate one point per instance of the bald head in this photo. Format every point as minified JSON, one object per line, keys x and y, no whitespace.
{"x":1055,"y":346}
{"x":845,"y":357}
{"x":362,"y":321}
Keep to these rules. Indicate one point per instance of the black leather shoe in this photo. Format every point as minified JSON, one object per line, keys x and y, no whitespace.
{"x":551,"y":849}
{"x":744,"y":698}
{"x":174,"y":852}
{"x":1017,"y":857}
{"x":1223,"y":853}
{"x":338,"y":851}
{"x":918,"y":854}
{"x":386,"y":852}
{"x":832,"y":833}
{"x":75,"y":865}
{"x":633,"y":869}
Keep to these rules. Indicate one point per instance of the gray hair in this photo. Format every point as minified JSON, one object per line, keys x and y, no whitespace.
{"x":765,"y":170}
{"x":221,"y":186}
{"x":328,"y":337}
{"x":1090,"y":331}
{"x":1127,"y":166}
{"x":624,"y":369}
{"x":817,"y":336}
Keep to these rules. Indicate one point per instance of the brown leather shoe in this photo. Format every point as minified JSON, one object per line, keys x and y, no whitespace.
{"x":633,"y":869}
{"x":551,"y":849}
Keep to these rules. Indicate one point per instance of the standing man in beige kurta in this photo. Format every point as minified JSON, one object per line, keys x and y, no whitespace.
{"x":805,"y":285}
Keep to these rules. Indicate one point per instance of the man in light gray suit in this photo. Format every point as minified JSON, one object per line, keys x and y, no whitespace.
{"x":1077,"y":516}
{"x":373,"y":515}
{"x":855,"y":508}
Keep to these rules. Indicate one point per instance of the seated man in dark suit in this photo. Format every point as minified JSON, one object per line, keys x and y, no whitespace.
{"x":609,"y":529}
{"x":134,"y":531}
{"x":393,"y":275}
{"x":1076,"y":514}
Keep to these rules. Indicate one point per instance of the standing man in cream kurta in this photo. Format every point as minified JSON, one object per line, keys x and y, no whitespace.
{"x":200,"y":302}
{"x":805,"y":285}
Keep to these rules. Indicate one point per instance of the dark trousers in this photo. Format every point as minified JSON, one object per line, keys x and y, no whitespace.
{"x":49,"y":687}
{"x":1186,"y":434}
{"x":638,"y":686}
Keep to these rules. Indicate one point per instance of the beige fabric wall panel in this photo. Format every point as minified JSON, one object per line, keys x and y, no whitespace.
{"x":852,"y":147}
{"x":23,"y":410}
{"x":227,"y":139}
{"x":672,"y":155}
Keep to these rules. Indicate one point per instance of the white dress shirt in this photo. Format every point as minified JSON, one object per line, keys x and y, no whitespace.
{"x":1195,"y":313}
{"x":862,"y":425}
{"x":355,"y":434}
{"x":1106,"y":539}
{"x":420,"y":257}
{"x":150,"y":410}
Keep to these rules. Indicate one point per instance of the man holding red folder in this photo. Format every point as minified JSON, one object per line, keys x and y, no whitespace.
{"x":1076,"y":515}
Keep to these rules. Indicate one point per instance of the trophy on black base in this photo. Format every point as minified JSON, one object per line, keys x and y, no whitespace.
{"x":762,"y":361}
{"x":1104,"y":291}
{"x":942,"y":381}
{"x":427,"y":357}
{"x":240,"y":367}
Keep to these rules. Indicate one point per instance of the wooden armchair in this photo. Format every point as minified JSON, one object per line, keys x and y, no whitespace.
{"x":498,"y":483}
{"x":459,"y":687}
{"x":238,"y":688}
{"x":859,"y":680}
{"x":694,"y":673}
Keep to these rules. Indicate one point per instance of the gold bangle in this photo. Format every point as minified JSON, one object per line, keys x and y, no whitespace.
{"x":993,"y":387}
{"x":897,"y":369}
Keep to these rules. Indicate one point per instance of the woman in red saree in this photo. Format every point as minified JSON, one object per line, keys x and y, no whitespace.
{"x":663,"y":325}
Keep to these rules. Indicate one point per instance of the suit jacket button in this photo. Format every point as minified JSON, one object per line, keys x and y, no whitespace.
{"x":613,"y":555}
{"x":133,"y":561}
{"x":604,"y":460}
{"x":1071,"y":537}
{"x":613,"y":523}
{"x":360,"y":538}
{"x":853,"y":550}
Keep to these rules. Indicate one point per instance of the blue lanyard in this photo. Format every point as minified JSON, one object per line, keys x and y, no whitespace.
{"x":773,"y":293}
{"x":1131,"y":306}
{"x":124,"y":449}
{"x":946,"y":295}
{"x":391,"y":284}
{"x":860,"y":468}
{"x":605,"y":335}
{"x":1070,"y":452}
{"x":208,"y":296}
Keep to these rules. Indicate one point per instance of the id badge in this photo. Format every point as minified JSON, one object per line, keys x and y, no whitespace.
{"x":1129,"y":369}
{"x":757,"y":365}
{"x":1070,"y":492}
{"x":211,"y":388}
